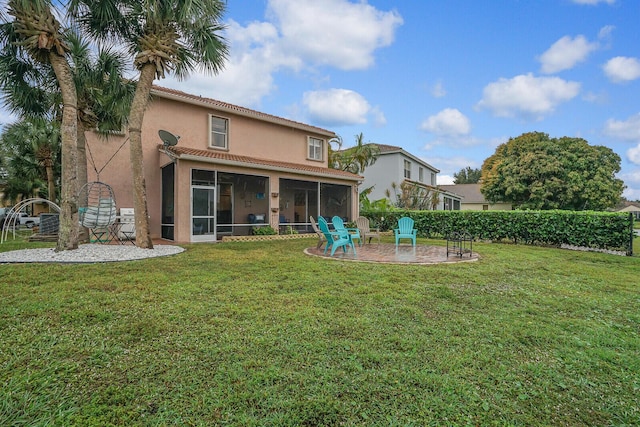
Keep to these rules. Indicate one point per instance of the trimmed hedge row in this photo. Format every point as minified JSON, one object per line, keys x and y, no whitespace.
{"x":600,"y":230}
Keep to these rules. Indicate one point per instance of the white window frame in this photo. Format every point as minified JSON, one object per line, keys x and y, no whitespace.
{"x":212,"y":131}
{"x":315,"y":148}
{"x":407,"y":169}
{"x":421,"y":174}
{"x":433,"y":178}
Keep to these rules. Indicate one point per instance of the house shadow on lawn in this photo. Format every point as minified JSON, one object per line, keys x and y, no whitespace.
{"x":390,"y":254}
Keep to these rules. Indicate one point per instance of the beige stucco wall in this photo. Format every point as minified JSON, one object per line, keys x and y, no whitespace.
{"x":478,"y":206}
{"x":247,"y":137}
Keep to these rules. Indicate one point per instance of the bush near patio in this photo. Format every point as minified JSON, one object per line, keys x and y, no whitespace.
{"x":599,"y":230}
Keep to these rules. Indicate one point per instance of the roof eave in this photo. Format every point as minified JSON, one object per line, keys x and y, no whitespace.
{"x":274,"y":168}
{"x":241,"y":112}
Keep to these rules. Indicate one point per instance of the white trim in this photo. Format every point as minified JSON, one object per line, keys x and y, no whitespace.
{"x":321,"y":148}
{"x":227,"y":135}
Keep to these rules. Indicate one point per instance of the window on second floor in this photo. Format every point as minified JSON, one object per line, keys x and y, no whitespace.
{"x":316,"y":147}
{"x":433,"y":178}
{"x":219,"y":137}
{"x":421,"y":174}
{"x":407,"y":169}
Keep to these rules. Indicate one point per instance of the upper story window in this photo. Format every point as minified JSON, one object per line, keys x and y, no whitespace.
{"x":421,"y":174}
{"x":315,"y":148}
{"x":219,"y":136}
{"x":407,"y":169}
{"x":433,"y":178}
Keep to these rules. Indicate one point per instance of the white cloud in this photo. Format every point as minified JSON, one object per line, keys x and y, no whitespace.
{"x":445,"y":180}
{"x":622,"y":69}
{"x":438,"y":90}
{"x":628,"y":130}
{"x":565,"y":53}
{"x":379,"y":118}
{"x":634,"y":154}
{"x":594,"y":2}
{"x":632,"y":177}
{"x":526,"y":95}
{"x":337,"y":107}
{"x":605,"y":32}
{"x":448,"y":122}
{"x":300,"y":35}
{"x":450,"y":165}
{"x":338,"y":33}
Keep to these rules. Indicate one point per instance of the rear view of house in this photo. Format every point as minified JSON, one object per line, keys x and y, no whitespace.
{"x":231,"y":170}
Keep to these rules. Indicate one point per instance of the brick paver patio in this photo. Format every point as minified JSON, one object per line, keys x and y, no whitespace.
{"x":389,"y":253}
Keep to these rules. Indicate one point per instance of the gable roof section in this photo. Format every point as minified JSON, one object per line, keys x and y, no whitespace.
{"x":210,"y":103}
{"x":392,"y":149}
{"x":210,"y":156}
{"x":470,"y":192}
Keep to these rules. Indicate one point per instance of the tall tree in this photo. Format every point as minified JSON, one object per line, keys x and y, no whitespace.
{"x":31,"y":149}
{"x":39,"y":34}
{"x":163,"y":36}
{"x":467,"y":176}
{"x":30,"y":89}
{"x":534,"y":171}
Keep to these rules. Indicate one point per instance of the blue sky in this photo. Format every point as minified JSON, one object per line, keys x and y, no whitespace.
{"x":446,"y":80}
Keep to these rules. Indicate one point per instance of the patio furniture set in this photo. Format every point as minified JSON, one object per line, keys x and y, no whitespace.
{"x":340,"y":236}
{"x":343,"y":237}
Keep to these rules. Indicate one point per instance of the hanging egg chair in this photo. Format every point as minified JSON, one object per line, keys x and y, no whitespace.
{"x":97,"y":205}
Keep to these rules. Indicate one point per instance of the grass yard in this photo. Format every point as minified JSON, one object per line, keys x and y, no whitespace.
{"x":259,"y":334}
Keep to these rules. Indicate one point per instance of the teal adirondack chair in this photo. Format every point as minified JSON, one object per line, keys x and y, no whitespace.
{"x":354,"y":233}
{"x":335,"y":239}
{"x":405,"y":230}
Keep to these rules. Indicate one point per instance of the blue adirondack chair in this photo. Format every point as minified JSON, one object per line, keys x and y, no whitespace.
{"x":405,"y":230}
{"x":335,"y":239}
{"x":354,"y":233}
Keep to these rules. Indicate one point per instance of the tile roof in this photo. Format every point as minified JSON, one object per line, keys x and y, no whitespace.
{"x":470,"y":192}
{"x":384,"y":148}
{"x":220,"y":105}
{"x":246,"y":161}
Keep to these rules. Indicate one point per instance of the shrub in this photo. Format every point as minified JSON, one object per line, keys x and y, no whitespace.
{"x":266,"y":230}
{"x":601,"y":230}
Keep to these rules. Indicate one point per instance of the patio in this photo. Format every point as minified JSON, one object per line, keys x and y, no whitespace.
{"x":390,"y":254}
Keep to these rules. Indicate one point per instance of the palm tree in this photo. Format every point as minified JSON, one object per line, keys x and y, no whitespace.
{"x":30,"y":89}
{"x":38,"y":33}
{"x":31,"y":150}
{"x":164,"y":36}
{"x":354,"y":159}
{"x":104,"y":96}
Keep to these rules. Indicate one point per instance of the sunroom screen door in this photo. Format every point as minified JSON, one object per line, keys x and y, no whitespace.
{"x":203,"y":214}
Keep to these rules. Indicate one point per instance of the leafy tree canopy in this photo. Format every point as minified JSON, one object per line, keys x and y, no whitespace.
{"x":467,"y":176}
{"x":534,"y":171}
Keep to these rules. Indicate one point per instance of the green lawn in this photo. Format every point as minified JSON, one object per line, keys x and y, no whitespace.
{"x":259,"y":334}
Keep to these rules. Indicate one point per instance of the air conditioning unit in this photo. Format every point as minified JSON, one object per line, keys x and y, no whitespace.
{"x":127,"y":229}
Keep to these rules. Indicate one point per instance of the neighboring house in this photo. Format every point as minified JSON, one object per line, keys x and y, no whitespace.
{"x":635,"y":210}
{"x":233,"y":169}
{"x":473,"y":200}
{"x":394,"y":166}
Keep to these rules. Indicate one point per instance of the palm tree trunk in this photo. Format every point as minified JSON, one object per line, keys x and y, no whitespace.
{"x":51,"y":181}
{"x":136,"y":115}
{"x":68,"y":234}
{"x":81,"y":168}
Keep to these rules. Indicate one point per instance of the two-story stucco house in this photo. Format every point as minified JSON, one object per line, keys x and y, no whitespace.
{"x":232,"y":169}
{"x":395,"y":166}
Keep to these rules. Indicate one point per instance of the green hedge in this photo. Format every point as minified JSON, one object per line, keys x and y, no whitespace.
{"x":600,"y":230}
